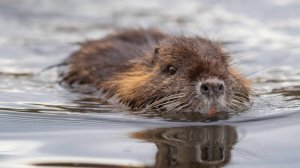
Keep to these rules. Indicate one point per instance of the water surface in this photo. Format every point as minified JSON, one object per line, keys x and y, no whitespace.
{"x":45,"y":125}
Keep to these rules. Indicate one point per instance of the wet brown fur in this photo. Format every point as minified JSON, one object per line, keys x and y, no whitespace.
{"x":131,"y":66}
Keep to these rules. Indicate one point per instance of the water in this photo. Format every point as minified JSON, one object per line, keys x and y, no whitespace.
{"x":45,"y":125}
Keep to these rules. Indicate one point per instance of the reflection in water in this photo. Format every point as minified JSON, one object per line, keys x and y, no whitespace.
{"x":208,"y":146}
{"x":178,"y":147}
{"x":82,"y":165}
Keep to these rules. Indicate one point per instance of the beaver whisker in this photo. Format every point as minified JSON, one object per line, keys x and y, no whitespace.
{"x":179,"y":106}
{"x":164,"y":104}
{"x":169,"y":106}
{"x":167,"y":98}
{"x":236,"y":105}
{"x":239,"y":99}
{"x":242,"y":99}
{"x":236,"y":101}
{"x":171,"y":103}
{"x":183,"y":105}
{"x":240,"y":94}
{"x":172,"y":106}
{"x":231,"y":107}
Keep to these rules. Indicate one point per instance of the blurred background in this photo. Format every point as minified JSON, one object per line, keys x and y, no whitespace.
{"x":50,"y":123}
{"x":265,"y":31}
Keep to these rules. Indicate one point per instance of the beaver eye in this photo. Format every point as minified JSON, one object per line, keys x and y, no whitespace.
{"x":172,"y":70}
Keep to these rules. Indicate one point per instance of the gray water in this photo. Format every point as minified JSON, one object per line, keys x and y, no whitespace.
{"x":45,"y":125}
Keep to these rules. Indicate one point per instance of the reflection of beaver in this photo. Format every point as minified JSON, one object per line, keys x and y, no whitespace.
{"x":145,"y":69}
{"x":189,"y":147}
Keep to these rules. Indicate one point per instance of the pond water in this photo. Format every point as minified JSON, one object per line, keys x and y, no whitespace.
{"x":45,"y":125}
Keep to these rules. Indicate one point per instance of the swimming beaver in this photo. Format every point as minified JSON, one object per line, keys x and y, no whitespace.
{"x":147,"y":69}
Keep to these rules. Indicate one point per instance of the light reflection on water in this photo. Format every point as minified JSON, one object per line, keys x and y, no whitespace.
{"x":43,"y":124}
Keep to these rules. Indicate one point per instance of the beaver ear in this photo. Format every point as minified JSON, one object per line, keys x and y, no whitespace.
{"x":156,"y":50}
{"x":155,"y":55}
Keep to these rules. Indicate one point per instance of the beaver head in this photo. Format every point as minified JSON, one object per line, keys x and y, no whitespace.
{"x":186,"y":74}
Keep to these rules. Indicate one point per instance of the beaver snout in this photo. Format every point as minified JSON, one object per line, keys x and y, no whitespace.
{"x":212,"y":87}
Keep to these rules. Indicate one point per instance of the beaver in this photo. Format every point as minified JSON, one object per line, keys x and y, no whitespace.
{"x":151,"y":70}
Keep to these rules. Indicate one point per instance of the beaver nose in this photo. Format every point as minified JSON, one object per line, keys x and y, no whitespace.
{"x":211,"y":88}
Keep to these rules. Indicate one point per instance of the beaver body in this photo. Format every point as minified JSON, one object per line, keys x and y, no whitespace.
{"x":147,"y":69}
